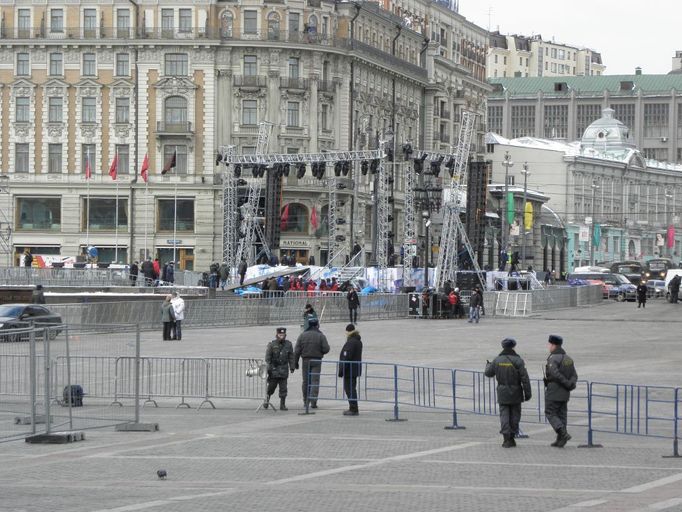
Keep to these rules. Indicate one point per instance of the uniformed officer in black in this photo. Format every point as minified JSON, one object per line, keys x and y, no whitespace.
{"x":279,"y":356}
{"x":513,"y":388}
{"x":560,"y":379}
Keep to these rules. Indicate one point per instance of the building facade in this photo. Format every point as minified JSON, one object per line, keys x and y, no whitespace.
{"x":86,"y":83}
{"x":518,"y":56}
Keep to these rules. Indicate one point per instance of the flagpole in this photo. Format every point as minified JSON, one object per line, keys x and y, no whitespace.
{"x":87,"y":207}
{"x":146,"y":214}
{"x":175,"y":209}
{"x":116,"y":221}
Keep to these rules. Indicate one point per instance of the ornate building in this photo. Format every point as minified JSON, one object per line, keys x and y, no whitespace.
{"x":86,"y":83}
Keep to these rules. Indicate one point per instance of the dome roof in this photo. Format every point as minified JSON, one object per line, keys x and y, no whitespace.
{"x":607,"y":133}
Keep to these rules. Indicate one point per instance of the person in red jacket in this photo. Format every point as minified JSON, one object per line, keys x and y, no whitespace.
{"x":157,"y":268}
{"x":452,"y":299}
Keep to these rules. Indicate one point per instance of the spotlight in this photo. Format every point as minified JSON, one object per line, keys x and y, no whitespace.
{"x":237,"y":170}
{"x":322,"y":168}
{"x":435,"y":165}
{"x":389,"y":154}
{"x":419,"y":164}
{"x":338,"y":166}
{"x":277,"y":170}
{"x":340,"y":238}
{"x":218,"y":158}
{"x":407,"y":150}
{"x":340,"y":222}
{"x":364,"y":167}
{"x":255,"y":170}
{"x":241,"y":182}
{"x":285,"y":170}
{"x":346,"y":168}
{"x":374,"y":166}
{"x":300,"y":171}
{"x":315,"y":169}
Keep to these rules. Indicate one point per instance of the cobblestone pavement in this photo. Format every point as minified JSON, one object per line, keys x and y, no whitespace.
{"x":234,"y":458}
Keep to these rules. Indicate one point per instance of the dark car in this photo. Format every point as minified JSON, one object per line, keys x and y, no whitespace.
{"x":18,"y":316}
{"x":633,"y":270}
{"x":657,"y":268}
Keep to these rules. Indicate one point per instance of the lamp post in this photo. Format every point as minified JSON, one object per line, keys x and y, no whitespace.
{"x":507,"y":163}
{"x":426,"y":215}
{"x":595,"y":187}
{"x":523,"y":213}
{"x":668,"y":222}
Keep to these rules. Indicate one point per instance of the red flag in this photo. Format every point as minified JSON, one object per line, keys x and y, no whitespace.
{"x":284,"y":219}
{"x":671,"y":237}
{"x":170,"y":164}
{"x":88,"y":171}
{"x":114,"y":167}
{"x":313,"y":218}
{"x":144,"y":172}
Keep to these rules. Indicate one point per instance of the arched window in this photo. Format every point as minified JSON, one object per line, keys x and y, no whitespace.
{"x":312,"y":24}
{"x":226,"y":23}
{"x":294,"y":218}
{"x":175,"y":112}
{"x":273,"y":26}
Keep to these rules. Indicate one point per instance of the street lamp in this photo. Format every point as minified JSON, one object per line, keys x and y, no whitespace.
{"x":595,"y":186}
{"x":507,"y":163}
{"x":426,"y":215}
{"x":523,"y":213}
{"x":668,"y":220}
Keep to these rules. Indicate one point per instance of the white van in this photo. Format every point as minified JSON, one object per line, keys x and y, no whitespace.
{"x":668,"y":276}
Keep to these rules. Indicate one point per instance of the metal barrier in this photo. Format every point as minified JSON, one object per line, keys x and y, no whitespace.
{"x":64,"y":276}
{"x":524,"y":303}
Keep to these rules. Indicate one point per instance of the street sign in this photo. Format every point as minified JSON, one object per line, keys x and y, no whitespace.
{"x":174,"y":242}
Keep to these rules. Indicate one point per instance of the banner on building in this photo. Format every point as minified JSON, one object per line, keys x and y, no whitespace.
{"x":584,"y":234}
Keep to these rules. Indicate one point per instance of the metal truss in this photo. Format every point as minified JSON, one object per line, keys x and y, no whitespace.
{"x":328,"y":157}
{"x":5,"y":224}
{"x":409,"y":226}
{"x":453,"y":230}
{"x":381,"y":197}
{"x":332,"y":245}
{"x":230,"y":217}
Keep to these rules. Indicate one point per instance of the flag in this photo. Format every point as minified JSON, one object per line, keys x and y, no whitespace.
{"x":670,"y":239}
{"x":170,"y":164}
{"x":284,"y":219}
{"x":88,"y":171}
{"x":114,"y":167}
{"x":313,"y":218}
{"x":144,"y":172}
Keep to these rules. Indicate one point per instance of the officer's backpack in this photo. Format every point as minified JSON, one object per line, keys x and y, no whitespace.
{"x":73,"y":396}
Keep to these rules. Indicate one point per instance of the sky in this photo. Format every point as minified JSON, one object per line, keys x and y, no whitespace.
{"x":627,"y":33}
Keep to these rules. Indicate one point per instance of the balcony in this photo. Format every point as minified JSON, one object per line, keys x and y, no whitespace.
{"x":250,"y":81}
{"x":300,"y":84}
{"x":326,"y":86}
{"x":165,"y":129}
{"x":107,"y":33}
{"x":444,"y":114}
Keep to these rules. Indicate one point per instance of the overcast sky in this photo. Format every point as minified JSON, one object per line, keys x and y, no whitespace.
{"x":628,"y":33}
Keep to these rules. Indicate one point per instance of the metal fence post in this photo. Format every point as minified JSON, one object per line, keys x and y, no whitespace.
{"x":68,"y":376}
{"x":137,"y":373}
{"x":46,"y":351}
{"x":454,"y":425}
{"x":590,"y":433}
{"x":308,"y":386}
{"x":33,"y":377}
{"x":396,"y":411}
{"x":676,"y":452}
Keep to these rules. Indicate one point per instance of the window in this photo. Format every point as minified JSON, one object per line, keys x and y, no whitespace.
{"x":88,"y":153}
{"x":522,"y":121}
{"x":89,"y":66}
{"x":56,"y":64}
{"x":102,"y":214}
{"x":250,"y":22}
{"x":21,"y":157}
{"x":556,"y":122}
{"x":181,"y":215}
{"x":123,"y":152}
{"x":180,"y":157}
{"x":24,"y":23}
{"x":293,"y":67}
{"x":273,"y":26}
{"x":294,"y":23}
{"x":495,"y":119}
{"x":659,"y":154}
{"x":249,"y":112}
{"x":297,"y":221}
{"x":656,"y":120}
{"x":122,"y":64}
{"x":56,"y":20}
{"x":54,"y":158}
{"x":496,"y":59}
{"x":324,"y":117}
{"x":554,"y":52}
{"x":89,"y":23}
{"x":292,"y":113}
{"x":55,"y":110}
{"x":123,"y":22}
{"x":167,"y":22}
{"x":250,"y":65}
{"x":175,"y":112}
{"x":42,"y":213}
{"x":226,"y":23}
{"x":586,"y":115}
{"x":176,"y":64}
{"x":22,"y":113}
{"x":122,"y":110}
{"x":23,"y":66}
{"x":626,"y":114}
{"x":562,"y":54}
{"x":185,"y":20}
{"x":89,"y":114}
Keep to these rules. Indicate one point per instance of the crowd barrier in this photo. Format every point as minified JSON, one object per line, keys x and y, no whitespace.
{"x":84,"y":277}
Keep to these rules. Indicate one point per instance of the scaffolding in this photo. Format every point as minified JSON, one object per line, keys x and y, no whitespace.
{"x":230,"y":216}
{"x":5,"y":224}
{"x":409,"y":225}
{"x":383,"y":223}
{"x":332,"y":242}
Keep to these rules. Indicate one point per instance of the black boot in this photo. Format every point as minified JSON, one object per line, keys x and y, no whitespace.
{"x":558,"y":436}
{"x":564,"y":437}
{"x":282,"y":404}
{"x":266,"y":403}
{"x":507,"y":441}
{"x":512,"y":441}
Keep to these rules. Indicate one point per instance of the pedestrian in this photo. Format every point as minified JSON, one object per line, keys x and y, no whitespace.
{"x":452,"y":301}
{"x":548,"y":276}
{"x":641,"y":294}
{"x":311,"y":346}
{"x":350,"y":368}
{"x":241,"y":270}
{"x":148,"y":272}
{"x":353,"y":304}
{"x":560,"y":379}
{"x":224,"y":274}
{"x":157,"y":268}
{"x":38,"y":296}
{"x":178,"y":315}
{"x":308,"y":314}
{"x":170,"y":273}
{"x":513,"y":388}
{"x":167,"y":317}
{"x":475,"y":303}
{"x":134,"y":271}
{"x":279,"y":356}
{"x":674,"y":289}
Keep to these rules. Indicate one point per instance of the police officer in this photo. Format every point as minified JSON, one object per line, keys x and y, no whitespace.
{"x":513,"y":388}
{"x":560,"y":379}
{"x":279,"y":356}
{"x":311,"y":346}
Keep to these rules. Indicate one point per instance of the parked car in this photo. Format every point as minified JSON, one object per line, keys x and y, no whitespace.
{"x":18,"y":316}
{"x":615,"y":286}
{"x":656,"y":288}
{"x":633,"y":270}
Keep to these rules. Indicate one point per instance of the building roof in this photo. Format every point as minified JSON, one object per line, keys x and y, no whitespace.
{"x":586,"y":85}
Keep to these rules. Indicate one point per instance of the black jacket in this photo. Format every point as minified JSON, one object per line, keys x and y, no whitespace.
{"x":279,"y":356}
{"x":148,"y":269}
{"x":560,"y":375}
{"x":311,"y":344}
{"x":351,"y":351}
{"x":37,"y":297}
{"x":241,"y":269}
{"x":353,"y":299}
{"x":476,"y":300}
{"x":134,"y":270}
{"x":641,"y":292}
{"x":513,"y":384}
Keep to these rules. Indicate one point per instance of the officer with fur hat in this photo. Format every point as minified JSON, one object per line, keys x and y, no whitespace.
{"x":350,"y":368}
{"x":560,"y":379}
{"x":513,"y":388}
{"x":279,"y":356}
